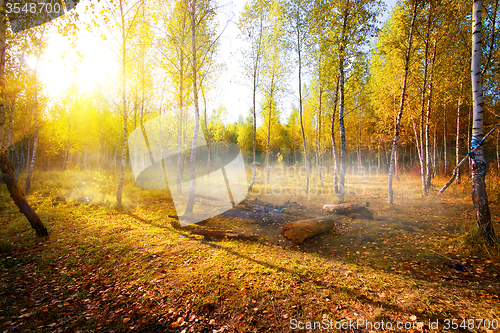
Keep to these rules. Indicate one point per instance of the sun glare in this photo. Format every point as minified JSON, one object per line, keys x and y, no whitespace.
{"x":90,"y":73}
{"x":87,"y":65}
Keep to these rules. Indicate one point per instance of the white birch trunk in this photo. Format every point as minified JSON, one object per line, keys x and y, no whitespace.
{"x":255,"y":79}
{"x":268,"y":139}
{"x":334,"y":145}
{"x":3,"y":27}
{"x":401,"y":107}
{"x":318,"y":154}
{"x":35,"y":132}
{"x":299,"y":53}
{"x":457,"y":139}
{"x":498,"y":152}
{"x":423,"y":155}
{"x":341,"y":191}
{"x":429,"y":170}
{"x":192,"y":160}
{"x":124,"y":111}
{"x":479,"y":196}
{"x":444,"y":141}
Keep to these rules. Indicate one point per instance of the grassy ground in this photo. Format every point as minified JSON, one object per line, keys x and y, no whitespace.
{"x":105,"y":269}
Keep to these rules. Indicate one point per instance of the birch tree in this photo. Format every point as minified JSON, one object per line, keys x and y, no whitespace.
{"x":252,"y":28}
{"x":175,"y":61}
{"x":297,"y":12}
{"x":401,"y":105}
{"x":5,"y":164}
{"x":123,"y":16}
{"x":457,"y":138}
{"x":355,"y":21}
{"x":201,"y":14}
{"x":479,"y":196}
{"x":36,"y":106}
{"x":194,"y":72}
{"x":273,"y":73}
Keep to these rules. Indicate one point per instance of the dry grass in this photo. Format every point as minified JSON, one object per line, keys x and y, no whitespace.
{"x":106,"y":269}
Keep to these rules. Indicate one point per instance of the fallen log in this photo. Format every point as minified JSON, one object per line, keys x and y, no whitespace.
{"x":17,"y":195}
{"x":301,"y":230}
{"x":230,"y":234}
{"x":354,"y":209}
{"x":259,"y":202}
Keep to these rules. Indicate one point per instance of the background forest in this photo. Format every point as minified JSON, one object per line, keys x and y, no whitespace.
{"x":324,"y":78}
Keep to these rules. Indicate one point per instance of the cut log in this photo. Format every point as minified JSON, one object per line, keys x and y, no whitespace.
{"x":230,"y":234}
{"x":301,"y":230}
{"x":355,"y":210}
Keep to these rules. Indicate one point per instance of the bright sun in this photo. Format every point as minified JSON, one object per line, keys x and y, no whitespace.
{"x":87,"y":65}
{"x":89,"y":74}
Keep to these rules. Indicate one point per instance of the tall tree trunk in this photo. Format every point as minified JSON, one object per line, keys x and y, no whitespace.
{"x":429,"y":170}
{"x":358,"y":147}
{"x":334,"y":145}
{"x":318,"y":149}
{"x":124,"y":112}
{"x":457,"y":141}
{"x":479,"y":196}
{"x":418,"y":143}
{"x":434,"y":152}
{"x":424,"y":156}
{"x":469,"y":121}
{"x":68,"y":151}
{"x":254,"y":130}
{"x":400,"y":114}
{"x":35,"y":132}
{"x":498,"y":152}
{"x":255,"y":74}
{"x":207,"y":134}
{"x":180,"y":119}
{"x":28,"y":148}
{"x":31,"y":164}
{"x":192,"y":160}
{"x":341,"y":191}
{"x":444,"y":141}
{"x":299,"y":53}
{"x":268,"y":139}
{"x":5,"y":165}
{"x":143,"y":92}
{"x":378,"y":155}
{"x":341,"y":194}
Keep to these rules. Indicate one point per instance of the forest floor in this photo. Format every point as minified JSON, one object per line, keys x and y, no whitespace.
{"x":418,"y":265}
